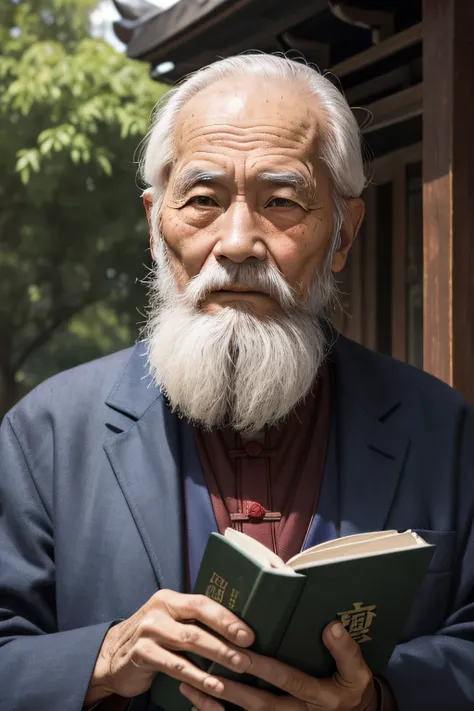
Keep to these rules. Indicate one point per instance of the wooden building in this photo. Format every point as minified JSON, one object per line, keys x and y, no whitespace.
{"x":407,"y":69}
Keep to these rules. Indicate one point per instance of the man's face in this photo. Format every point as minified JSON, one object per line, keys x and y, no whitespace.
{"x":246,"y":233}
{"x":248,"y":186}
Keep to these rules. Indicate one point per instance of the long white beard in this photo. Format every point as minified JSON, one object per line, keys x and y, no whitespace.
{"x":234,"y":368}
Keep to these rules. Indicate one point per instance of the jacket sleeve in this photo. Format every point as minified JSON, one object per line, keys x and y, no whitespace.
{"x":41,"y":668}
{"x":437,"y":672}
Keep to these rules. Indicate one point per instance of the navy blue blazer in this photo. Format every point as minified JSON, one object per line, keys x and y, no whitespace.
{"x":91,"y":525}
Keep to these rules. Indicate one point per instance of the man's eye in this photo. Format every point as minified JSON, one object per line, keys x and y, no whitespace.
{"x":282,"y":202}
{"x":202,"y":201}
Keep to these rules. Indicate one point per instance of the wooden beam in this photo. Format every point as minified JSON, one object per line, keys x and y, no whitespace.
{"x":398,"y":77}
{"x":379,"y":21}
{"x":448,"y":190}
{"x":212,"y":24}
{"x":392,"y":109}
{"x":314,"y":52}
{"x":384,"y":167}
{"x":384,"y":49}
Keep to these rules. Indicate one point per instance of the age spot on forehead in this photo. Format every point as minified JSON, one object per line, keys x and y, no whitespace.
{"x":240,"y":112}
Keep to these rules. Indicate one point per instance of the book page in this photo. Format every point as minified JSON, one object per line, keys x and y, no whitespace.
{"x":381,"y":544}
{"x":356,"y":538}
{"x":254,"y":549}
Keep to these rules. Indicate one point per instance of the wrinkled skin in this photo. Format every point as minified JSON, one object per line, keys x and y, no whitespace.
{"x":241,"y":131}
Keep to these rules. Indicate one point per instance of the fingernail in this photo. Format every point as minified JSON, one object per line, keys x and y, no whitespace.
{"x":337,"y":631}
{"x":240,"y":661}
{"x":243,"y":636}
{"x":214,"y":685}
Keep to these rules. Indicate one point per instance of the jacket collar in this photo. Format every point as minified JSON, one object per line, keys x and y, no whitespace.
{"x":147,"y":457}
{"x":134,"y":392}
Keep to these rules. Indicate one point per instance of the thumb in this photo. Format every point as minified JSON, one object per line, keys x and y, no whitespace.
{"x":346,"y":653}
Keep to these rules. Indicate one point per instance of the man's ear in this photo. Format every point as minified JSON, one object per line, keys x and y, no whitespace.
{"x":353,"y":219}
{"x":148,"y":205}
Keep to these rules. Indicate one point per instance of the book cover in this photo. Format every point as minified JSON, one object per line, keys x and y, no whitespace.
{"x":264,"y":598}
{"x":371,"y":594}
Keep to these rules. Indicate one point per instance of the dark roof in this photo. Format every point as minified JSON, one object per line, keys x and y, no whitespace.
{"x":193,"y":33}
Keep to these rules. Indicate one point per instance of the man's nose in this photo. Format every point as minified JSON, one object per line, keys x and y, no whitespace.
{"x":240,"y":235}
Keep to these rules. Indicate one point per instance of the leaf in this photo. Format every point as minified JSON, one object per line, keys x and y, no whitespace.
{"x":23,"y":161}
{"x":28,"y":159}
{"x":46,"y":145}
{"x":105,"y":164}
{"x":34,"y":160}
{"x":25,"y":175}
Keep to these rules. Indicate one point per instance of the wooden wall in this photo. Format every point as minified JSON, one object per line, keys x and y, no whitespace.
{"x":448,"y":191}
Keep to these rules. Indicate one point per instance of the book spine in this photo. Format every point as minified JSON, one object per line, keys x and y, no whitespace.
{"x":264,"y":599}
{"x":267,"y":611}
{"x":270,"y":607}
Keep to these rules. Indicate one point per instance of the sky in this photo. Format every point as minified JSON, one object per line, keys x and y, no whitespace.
{"x":104,"y":16}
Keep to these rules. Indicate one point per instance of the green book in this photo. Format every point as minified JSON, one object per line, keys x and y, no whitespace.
{"x":368,"y":582}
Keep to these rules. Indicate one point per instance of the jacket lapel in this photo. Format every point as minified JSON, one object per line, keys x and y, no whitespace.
{"x":200,"y":518}
{"x":147,"y":458}
{"x":372,"y":439}
{"x":146,"y":461}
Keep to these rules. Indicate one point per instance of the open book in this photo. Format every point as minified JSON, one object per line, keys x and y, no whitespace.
{"x":349,"y":548}
{"x":367,"y":581}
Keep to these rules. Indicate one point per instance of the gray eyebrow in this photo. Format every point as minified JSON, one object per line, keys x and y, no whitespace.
{"x":194,"y":176}
{"x":299,"y":182}
{"x":189,"y":178}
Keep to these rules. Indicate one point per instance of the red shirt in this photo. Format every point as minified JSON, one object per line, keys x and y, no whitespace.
{"x":280,"y":473}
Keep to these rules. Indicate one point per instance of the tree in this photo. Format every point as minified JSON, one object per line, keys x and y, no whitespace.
{"x":72,"y":230}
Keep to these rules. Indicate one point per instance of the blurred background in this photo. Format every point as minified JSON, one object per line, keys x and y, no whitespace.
{"x":73,"y":237}
{"x":78,"y":82}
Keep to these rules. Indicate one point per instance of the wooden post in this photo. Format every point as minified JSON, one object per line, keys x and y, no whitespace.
{"x":399,"y":269}
{"x":369,"y":292}
{"x":448,"y":191}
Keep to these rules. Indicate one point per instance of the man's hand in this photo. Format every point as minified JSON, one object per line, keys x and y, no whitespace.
{"x":350,"y":689}
{"x":150,"y":641}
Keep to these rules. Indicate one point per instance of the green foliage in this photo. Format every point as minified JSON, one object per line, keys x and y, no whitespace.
{"x":96,"y":331}
{"x":72,"y":229}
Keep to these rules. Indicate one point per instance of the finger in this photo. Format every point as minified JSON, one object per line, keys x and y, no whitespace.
{"x":209,"y":613}
{"x":202,"y":702}
{"x":251,"y":699}
{"x":149,"y":657}
{"x":191,"y":638}
{"x":351,"y":667}
{"x":292,"y":681}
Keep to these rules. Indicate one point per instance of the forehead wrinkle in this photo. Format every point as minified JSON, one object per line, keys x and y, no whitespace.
{"x":253,"y":149}
{"x":251,"y":133}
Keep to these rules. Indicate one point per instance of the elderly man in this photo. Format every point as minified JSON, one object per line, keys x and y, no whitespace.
{"x":114,"y":474}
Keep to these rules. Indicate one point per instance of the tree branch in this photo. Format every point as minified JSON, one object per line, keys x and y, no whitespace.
{"x":63,"y":317}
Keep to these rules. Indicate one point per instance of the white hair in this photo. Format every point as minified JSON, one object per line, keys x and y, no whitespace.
{"x":234,"y":368}
{"x":341,"y":146}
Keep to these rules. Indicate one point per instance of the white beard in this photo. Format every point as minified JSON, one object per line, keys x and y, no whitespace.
{"x":234,"y":368}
